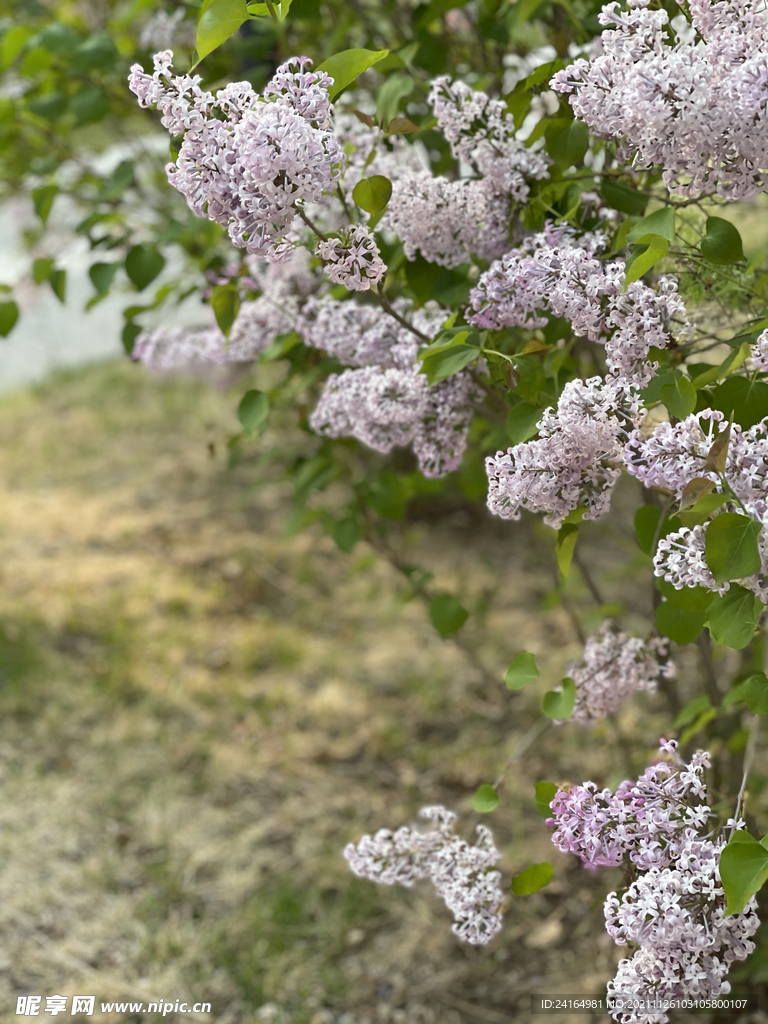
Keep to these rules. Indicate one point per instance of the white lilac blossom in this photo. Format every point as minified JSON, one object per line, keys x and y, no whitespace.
{"x":386,"y":402}
{"x":389,"y":407}
{"x":259,"y":321}
{"x":614,"y":667}
{"x":364,"y":335}
{"x":448,"y":221}
{"x":576,"y":459}
{"x":674,"y":909}
{"x":759,"y":354}
{"x":164,"y":29}
{"x":694,"y":102}
{"x":253,"y":170}
{"x":554,"y":272}
{"x":674,"y":455}
{"x":353,"y":259}
{"x":462,"y":875}
{"x":481,"y":133}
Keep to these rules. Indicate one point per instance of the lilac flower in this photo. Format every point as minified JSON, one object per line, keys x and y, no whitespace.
{"x":614,"y":667}
{"x":695,"y":102}
{"x":674,"y":455}
{"x":555,"y":272}
{"x":460,"y":873}
{"x":759,"y":355}
{"x":254,"y":169}
{"x":448,"y":221}
{"x":674,"y":909}
{"x":353,"y":259}
{"x":576,"y":459}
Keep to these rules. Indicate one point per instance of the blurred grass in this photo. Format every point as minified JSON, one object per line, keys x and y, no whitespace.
{"x":199,"y":712}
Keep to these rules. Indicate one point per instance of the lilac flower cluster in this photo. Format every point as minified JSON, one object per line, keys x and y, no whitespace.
{"x":385,"y":402}
{"x":450,"y":221}
{"x":615,"y":666}
{"x":259,"y":321}
{"x":759,"y":354}
{"x":257,"y":163}
{"x":674,"y":455}
{"x":576,"y":459}
{"x":353,"y":259}
{"x":674,"y":910}
{"x":461,"y":874}
{"x":695,"y":102}
{"x":554,"y":272}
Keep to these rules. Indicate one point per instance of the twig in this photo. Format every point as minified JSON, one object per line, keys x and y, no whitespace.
{"x":749,"y":756}
{"x":592,"y":586}
{"x":312,"y":226}
{"x":705,"y":646}
{"x":386,"y":305}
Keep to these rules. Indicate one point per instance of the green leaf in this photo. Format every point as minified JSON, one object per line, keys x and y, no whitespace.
{"x":567,"y":143}
{"x":253,"y":411}
{"x":679,"y":397}
{"x":692,"y":710}
{"x":130,"y":333}
{"x":691,"y":598}
{"x":731,"y":546}
{"x":621,"y":197}
{"x":441,"y":365}
{"x":522,"y":422}
{"x":532,"y":377}
{"x":647,"y":523}
{"x":565,"y":545}
{"x":41,"y":269}
{"x":388,"y":495}
{"x":702,"y":509}
{"x":394,"y":89}
{"x":372,"y":195}
{"x":756,"y":694}
{"x":142,"y":265}
{"x":722,"y":242}
{"x":642,"y":263}
{"x":447,"y":615}
{"x":51,"y":106}
{"x":733,"y":617}
{"x":742,"y":399}
{"x":660,"y":222}
{"x":559,"y":703}
{"x":346,"y":66}
{"x":346,"y":533}
{"x":545,"y":794}
{"x":225,"y":302}
{"x":682,"y":625}
{"x":43,"y":200}
{"x":743,"y":870}
{"x":9,"y":314}
{"x":97,"y":51}
{"x":522,"y":671}
{"x":58,"y":38}
{"x":219,"y":20}
{"x":531,"y":879}
{"x":102,"y":275}
{"x":485,"y":800}
{"x":89,"y":105}
{"x":57,"y":279}
{"x":401,"y":126}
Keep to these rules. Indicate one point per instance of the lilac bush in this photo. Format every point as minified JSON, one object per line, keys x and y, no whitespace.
{"x":455,"y":271}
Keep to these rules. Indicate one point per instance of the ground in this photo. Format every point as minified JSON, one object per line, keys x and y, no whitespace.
{"x":200,"y":710}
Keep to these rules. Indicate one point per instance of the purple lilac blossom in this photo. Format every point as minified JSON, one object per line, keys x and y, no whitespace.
{"x":253,"y":171}
{"x":353,"y":259}
{"x":576,"y":459}
{"x":554,"y":272}
{"x":615,"y":666}
{"x":461,"y":874}
{"x":675,"y":454}
{"x":695,"y":102}
{"x":674,"y":909}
